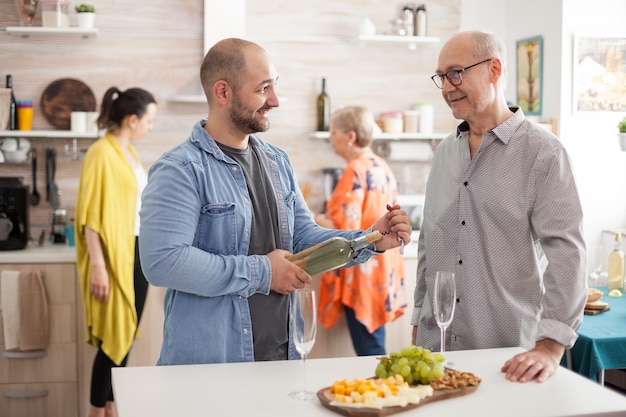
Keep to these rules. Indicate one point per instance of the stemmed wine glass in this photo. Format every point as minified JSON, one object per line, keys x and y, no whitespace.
{"x":303,"y":328}
{"x":444,"y":302}
{"x":595,"y":266}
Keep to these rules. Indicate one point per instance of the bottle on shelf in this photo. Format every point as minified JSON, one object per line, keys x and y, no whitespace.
{"x":408,"y":17}
{"x":12,"y":105}
{"x":332,"y":253}
{"x":420,"y":20}
{"x":616,"y":269}
{"x":323,"y":108}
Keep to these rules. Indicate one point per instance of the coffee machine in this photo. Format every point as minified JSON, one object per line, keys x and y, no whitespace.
{"x":14,"y":213}
{"x":331,"y":177}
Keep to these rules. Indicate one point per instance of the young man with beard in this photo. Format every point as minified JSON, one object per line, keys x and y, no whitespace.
{"x":220,"y":214}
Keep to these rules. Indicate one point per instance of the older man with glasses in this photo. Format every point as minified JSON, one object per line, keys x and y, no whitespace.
{"x":502,"y":212}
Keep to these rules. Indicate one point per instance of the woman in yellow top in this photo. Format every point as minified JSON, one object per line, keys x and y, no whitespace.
{"x":372,"y":293}
{"x":107,"y":225}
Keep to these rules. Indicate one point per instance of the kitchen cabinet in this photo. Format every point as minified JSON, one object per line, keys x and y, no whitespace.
{"x":73,"y":32}
{"x":46,"y":383}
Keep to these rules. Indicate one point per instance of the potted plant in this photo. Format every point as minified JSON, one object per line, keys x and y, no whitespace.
{"x":86,"y":15}
{"x":621,"y":126}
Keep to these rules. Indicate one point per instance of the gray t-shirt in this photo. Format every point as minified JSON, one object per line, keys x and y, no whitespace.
{"x":270,"y":312}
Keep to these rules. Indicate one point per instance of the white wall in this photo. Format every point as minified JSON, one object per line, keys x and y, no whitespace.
{"x":589,"y":138}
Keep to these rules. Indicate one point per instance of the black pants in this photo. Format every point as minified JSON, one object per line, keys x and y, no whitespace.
{"x":101,"y":389}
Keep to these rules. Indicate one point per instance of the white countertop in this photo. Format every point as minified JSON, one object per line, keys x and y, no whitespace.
{"x":262,"y":388}
{"x":34,"y":254}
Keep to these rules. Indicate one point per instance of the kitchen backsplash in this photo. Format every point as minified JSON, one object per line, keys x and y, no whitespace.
{"x":129,"y":51}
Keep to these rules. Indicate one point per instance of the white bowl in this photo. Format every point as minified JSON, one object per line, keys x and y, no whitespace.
{"x":8,"y":144}
{"x":16,"y":157}
{"x":23,"y":144}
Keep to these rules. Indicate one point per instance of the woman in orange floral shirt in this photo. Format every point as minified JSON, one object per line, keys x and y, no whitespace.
{"x":372,"y":293}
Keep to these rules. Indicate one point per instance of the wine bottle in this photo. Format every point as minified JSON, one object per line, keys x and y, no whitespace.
{"x":616,"y":269}
{"x":12,"y":106}
{"x":332,"y":253}
{"x":323,"y":108}
{"x":420,"y":20}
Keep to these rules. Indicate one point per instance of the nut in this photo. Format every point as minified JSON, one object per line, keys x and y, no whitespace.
{"x":454,"y":380}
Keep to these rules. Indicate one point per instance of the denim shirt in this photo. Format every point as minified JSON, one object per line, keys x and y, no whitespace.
{"x":195,"y":230}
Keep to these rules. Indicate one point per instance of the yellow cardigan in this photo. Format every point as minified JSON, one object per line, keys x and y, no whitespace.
{"x":106,"y":203}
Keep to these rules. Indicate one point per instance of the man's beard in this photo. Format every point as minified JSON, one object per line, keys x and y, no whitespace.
{"x":240,"y":116}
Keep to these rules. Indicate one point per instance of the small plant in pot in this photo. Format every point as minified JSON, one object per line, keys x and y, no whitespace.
{"x":86,"y":15}
{"x":621,"y":126}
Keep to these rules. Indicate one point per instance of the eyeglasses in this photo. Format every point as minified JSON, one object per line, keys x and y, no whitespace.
{"x":454,"y":76}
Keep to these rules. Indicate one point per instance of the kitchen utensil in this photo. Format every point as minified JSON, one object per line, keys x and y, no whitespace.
{"x":34,"y":196}
{"x":63,"y":96}
{"x":54,"y":193}
{"x":58,"y":221}
{"x":48,"y":173}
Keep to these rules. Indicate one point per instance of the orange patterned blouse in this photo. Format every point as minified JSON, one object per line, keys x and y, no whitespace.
{"x":375,"y":290}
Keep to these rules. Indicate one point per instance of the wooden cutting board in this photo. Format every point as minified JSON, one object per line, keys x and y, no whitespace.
{"x":596,"y":307}
{"x":63,"y":96}
{"x":326,"y":396}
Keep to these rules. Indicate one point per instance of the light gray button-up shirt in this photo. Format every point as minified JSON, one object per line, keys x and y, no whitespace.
{"x":508,"y":223}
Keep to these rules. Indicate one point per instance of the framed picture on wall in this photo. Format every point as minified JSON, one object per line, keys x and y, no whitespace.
{"x":599,"y":73}
{"x":529,"y":74}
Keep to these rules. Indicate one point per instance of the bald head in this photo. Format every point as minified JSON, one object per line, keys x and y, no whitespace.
{"x":469,"y":46}
{"x":480,"y":44}
{"x":226,"y":60}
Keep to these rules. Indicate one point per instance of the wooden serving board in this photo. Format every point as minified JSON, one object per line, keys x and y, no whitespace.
{"x":63,"y":96}
{"x":594,"y":311}
{"x":326,"y":397}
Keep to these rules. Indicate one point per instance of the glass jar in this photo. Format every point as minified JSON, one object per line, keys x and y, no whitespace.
{"x":392,"y":122}
{"x":54,"y":13}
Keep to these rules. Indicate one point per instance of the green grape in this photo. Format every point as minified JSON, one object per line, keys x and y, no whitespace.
{"x":406,"y":352}
{"x":415,"y":363}
{"x":409,"y":379}
{"x":381,"y":370}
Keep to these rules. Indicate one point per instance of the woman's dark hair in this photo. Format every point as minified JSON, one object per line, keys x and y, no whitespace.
{"x":116,"y":105}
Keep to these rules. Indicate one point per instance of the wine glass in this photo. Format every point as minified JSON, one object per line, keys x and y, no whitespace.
{"x":595,"y":266}
{"x":303,"y":328}
{"x":444,"y":302}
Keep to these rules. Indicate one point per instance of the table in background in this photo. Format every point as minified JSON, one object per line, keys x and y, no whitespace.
{"x":261,"y":389}
{"x":601,"y":342}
